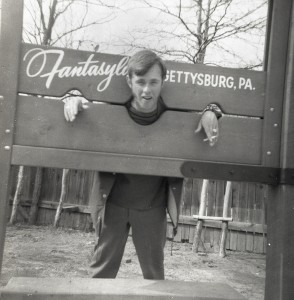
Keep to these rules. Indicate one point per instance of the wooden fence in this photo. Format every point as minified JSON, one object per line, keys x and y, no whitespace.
{"x":247,"y":231}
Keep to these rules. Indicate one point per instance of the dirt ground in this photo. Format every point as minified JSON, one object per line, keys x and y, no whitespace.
{"x":35,"y":251}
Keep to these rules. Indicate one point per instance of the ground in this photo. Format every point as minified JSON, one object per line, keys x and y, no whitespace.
{"x":35,"y":251}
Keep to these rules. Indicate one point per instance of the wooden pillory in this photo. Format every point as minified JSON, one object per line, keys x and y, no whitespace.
{"x":256,"y":147}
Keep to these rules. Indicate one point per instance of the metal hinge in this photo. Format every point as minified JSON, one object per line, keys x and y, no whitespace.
{"x":237,"y":172}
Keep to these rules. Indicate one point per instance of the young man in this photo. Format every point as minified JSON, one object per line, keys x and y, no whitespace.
{"x":121,"y":201}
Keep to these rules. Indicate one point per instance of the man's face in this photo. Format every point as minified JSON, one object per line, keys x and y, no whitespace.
{"x":146,"y":89}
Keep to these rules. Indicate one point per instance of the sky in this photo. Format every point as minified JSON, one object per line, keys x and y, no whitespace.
{"x":132,"y":17}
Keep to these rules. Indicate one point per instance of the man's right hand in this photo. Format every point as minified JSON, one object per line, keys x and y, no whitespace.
{"x":72,"y":107}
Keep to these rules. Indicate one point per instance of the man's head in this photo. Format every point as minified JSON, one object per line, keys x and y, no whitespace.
{"x":146,"y":73}
{"x":140,"y":63}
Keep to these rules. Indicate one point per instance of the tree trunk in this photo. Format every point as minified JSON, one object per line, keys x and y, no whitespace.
{"x":18,"y":191}
{"x":65,"y":174}
{"x":36,"y":196}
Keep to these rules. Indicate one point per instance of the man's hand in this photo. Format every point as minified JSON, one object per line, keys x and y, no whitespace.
{"x":72,"y":107}
{"x":209,"y":123}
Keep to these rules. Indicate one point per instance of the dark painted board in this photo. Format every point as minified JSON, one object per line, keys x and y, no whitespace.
{"x":99,"y":76}
{"x":109,"y":129}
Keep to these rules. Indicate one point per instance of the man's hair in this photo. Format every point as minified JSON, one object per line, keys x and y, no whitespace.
{"x":140,"y":63}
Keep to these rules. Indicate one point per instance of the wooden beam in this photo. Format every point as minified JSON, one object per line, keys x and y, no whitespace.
{"x":40,"y":123}
{"x":276,"y":66}
{"x":10,"y":39}
{"x":280,"y":213}
{"x":212,"y":218}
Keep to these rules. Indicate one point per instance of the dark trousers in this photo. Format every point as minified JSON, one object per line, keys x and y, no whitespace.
{"x":149,"y":236}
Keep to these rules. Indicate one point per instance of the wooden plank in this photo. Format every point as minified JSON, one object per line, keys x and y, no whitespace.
{"x":249,"y":216}
{"x":250,"y":201}
{"x":211,"y":198}
{"x":280,"y":220}
{"x":10,"y":38}
{"x":258,"y":243}
{"x":236,"y":226}
{"x":242,"y":211}
{"x":224,"y":231}
{"x":186,"y":205}
{"x":258,"y":217}
{"x":249,"y":242}
{"x":276,"y":67}
{"x":235,"y":203}
{"x":241,"y":241}
{"x":196,"y":192}
{"x":243,"y":201}
{"x":208,"y":234}
{"x":219,"y":198}
{"x":84,"y":160}
{"x":40,"y":123}
{"x":216,"y":239}
{"x":212,"y":218}
{"x":55,"y":71}
{"x":191,"y":234}
{"x":228,"y":240}
{"x":233,"y":239}
{"x":197,"y":184}
{"x":114,"y":289}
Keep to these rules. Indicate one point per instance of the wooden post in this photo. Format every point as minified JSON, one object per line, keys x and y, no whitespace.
{"x":202,"y":206}
{"x":17,"y":195}
{"x":224,"y":233}
{"x":280,"y":215}
{"x":36,"y":196}
{"x":64,"y":185}
{"x":10,"y":39}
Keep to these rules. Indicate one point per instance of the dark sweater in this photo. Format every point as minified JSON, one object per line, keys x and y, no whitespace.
{"x":140,"y":192}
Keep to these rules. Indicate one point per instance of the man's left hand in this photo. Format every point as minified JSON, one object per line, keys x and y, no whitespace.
{"x":209,"y":123}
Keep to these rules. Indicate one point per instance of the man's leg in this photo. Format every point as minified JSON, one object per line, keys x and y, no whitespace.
{"x":111,"y":243}
{"x":149,"y":236}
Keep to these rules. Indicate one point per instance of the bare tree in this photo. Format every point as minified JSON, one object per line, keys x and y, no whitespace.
{"x":60,"y":23}
{"x":64,"y":22}
{"x":187,"y":29}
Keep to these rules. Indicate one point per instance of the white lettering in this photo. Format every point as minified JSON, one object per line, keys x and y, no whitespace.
{"x":207,"y":80}
{"x":179,"y":75}
{"x":40,"y":58}
{"x":214,"y":80}
{"x":222,"y":81}
{"x":200,"y":79}
{"x":230,"y":82}
{"x":186,"y":77}
{"x":242,"y":82}
{"x":248,"y":84}
{"x":167,"y":75}
{"x":194,"y":76}
{"x":172,"y":76}
{"x":122,"y":67}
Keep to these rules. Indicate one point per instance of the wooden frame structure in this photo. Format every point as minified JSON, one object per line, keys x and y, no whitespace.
{"x":33,"y":132}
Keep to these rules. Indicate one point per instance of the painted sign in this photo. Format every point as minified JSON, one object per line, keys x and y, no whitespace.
{"x":55,"y":71}
{"x":104,"y":137}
